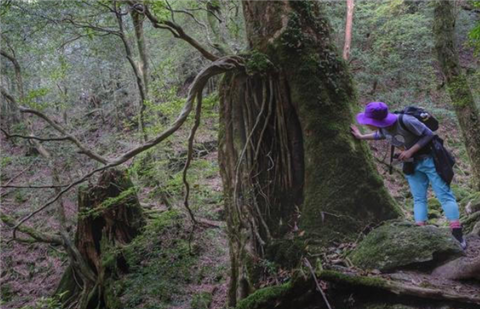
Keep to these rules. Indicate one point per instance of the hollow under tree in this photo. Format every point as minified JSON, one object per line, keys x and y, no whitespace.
{"x":286,"y":152}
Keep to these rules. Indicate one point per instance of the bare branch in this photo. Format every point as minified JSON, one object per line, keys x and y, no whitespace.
{"x":179,"y":33}
{"x":19,"y":174}
{"x":42,"y":139}
{"x":36,"y":235}
{"x":218,"y":67}
{"x":32,"y":187}
{"x":189,"y":156}
{"x":69,"y":136}
{"x":90,"y":26}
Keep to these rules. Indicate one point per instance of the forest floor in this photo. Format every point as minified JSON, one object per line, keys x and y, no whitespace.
{"x":32,"y":271}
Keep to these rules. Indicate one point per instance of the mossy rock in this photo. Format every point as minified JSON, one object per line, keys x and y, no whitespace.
{"x":404,"y":245}
{"x":434,"y":204}
{"x":460,"y":192}
{"x":473,"y":202}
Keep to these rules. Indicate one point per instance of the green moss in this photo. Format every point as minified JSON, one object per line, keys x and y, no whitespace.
{"x":258,"y":63}
{"x":159,"y":264}
{"x":126,"y":197}
{"x":343,"y":191}
{"x":352,"y":280}
{"x":400,"y":245}
{"x":264,"y":298}
{"x":285,"y":252}
{"x":201,"y":300}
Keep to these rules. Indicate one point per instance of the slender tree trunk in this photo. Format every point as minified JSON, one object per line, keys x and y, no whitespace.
{"x":138,"y":20}
{"x":348,"y":29}
{"x":286,"y":151}
{"x":138,"y":74}
{"x":16,"y":116}
{"x":460,"y":94}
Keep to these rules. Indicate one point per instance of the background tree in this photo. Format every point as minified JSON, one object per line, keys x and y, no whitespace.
{"x":462,"y":99}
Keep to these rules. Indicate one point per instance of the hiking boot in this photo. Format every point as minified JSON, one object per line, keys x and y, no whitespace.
{"x":458,"y":234}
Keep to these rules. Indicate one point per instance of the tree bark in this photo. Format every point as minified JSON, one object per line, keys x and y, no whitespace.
{"x":286,"y":152}
{"x":460,"y":94}
{"x":139,"y":77}
{"x":348,"y":29}
{"x":16,"y":117}
{"x":138,"y":20}
{"x":110,"y":215}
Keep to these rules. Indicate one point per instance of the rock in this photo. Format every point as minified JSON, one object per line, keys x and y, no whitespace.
{"x":398,"y":245}
{"x":471,"y":203}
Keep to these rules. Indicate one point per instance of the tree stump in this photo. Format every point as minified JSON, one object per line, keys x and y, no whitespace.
{"x":109,"y":216}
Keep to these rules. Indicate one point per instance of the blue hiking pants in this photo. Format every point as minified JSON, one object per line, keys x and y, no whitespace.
{"x":424,"y":174}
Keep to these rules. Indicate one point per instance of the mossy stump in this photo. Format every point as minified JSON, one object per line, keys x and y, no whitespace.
{"x":109,"y":215}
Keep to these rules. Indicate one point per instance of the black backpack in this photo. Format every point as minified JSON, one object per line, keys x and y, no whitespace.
{"x":444,"y":161}
{"x":421,"y":114}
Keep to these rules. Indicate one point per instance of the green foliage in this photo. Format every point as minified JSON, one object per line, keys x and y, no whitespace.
{"x":258,"y":63}
{"x":123,"y":198}
{"x":33,"y":97}
{"x":47,"y":303}
{"x":160,"y":9}
{"x":160,"y":264}
{"x":201,"y":300}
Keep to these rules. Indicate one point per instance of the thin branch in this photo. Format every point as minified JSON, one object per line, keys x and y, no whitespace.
{"x":90,"y":26}
{"x":179,"y":33}
{"x":19,"y":174}
{"x":307,"y":263}
{"x":42,"y":139}
{"x":32,"y":187}
{"x":69,"y":136}
{"x":218,"y":67}
{"x":189,"y":156}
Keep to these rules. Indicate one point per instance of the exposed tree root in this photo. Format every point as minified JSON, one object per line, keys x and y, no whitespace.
{"x":396,"y":287}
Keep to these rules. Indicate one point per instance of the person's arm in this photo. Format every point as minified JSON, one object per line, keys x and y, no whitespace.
{"x":358,"y":135}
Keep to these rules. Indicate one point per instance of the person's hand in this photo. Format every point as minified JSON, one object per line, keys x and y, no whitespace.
{"x":404,"y":155}
{"x":355,"y":132}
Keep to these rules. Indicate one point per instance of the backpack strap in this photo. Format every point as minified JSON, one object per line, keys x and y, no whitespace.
{"x":402,"y":124}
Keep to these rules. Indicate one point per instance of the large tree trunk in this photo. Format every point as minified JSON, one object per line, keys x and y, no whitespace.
{"x":109,"y":216}
{"x":460,"y":94}
{"x":286,"y":152}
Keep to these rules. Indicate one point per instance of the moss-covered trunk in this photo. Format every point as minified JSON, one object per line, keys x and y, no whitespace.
{"x":109,"y":216}
{"x":460,"y":94}
{"x":286,"y":152}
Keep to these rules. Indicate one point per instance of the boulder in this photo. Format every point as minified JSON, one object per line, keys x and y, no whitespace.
{"x":404,"y":245}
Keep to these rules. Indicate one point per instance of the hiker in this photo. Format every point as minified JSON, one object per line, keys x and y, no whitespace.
{"x":412,"y":137}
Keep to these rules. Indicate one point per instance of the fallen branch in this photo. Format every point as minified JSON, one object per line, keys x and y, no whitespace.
{"x":36,"y":235}
{"x":319,"y":288}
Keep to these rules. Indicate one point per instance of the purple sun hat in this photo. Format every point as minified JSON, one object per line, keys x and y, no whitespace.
{"x":376,"y":114}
